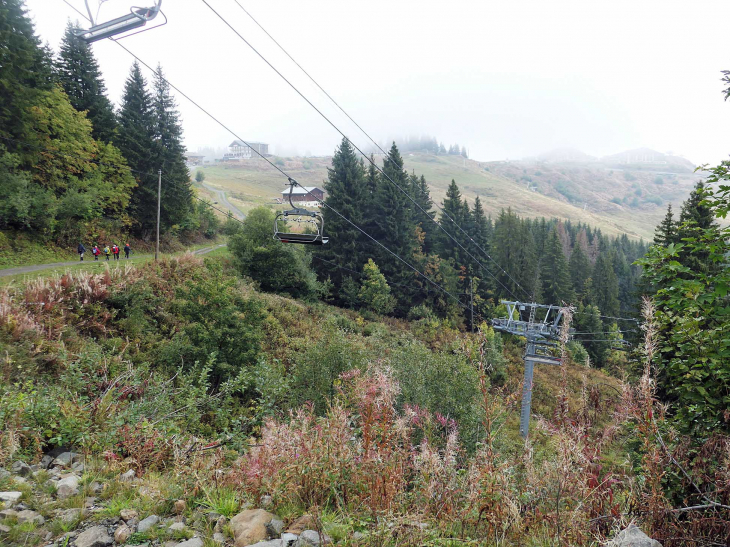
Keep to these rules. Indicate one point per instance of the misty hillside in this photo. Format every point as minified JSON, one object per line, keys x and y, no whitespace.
{"x":617,"y":197}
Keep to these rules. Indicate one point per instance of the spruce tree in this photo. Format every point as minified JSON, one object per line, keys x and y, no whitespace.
{"x":580,"y":270}
{"x":605,"y":285}
{"x":666,"y":232}
{"x":78,"y":73}
{"x":393,"y":226}
{"x":452,"y":209}
{"x":177,"y":191}
{"x":346,"y":192}
{"x":422,"y":196}
{"x":556,"y":283}
{"x":135,"y":140}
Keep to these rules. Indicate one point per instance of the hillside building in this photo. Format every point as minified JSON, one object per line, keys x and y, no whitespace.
{"x":308,"y":196}
{"x":239,"y":150}
{"x":191,"y":160}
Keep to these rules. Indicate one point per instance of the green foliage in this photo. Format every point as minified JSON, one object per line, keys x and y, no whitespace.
{"x":199,"y":176}
{"x":275,"y":266}
{"x":374,"y":290}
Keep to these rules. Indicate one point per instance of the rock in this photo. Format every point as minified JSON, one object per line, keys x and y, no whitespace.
{"x":219,"y":538}
{"x":220,"y":523}
{"x":21,"y":468}
{"x":170,"y":544}
{"x":308,"y":538}
{"x":249,"y":526}
{"x":10,"y":497}
{"x":20,"y":507}
{"x":128,"y":476}
{"x":148,"y":523}
{"x":96,"y":488}
{"x":121,"y":534}
{"x":305,"y":522}
{"x":177,"y":527}
{"x":269,"y":543}
{"x":213,"y":516}
{"x":8,"y":514}
{"x":632,"y":536}
{"x":70,"y":515}
{"x":67,"y":487}
{"x":46,"y":461}
{"x":95,"y":536}
{"x":288,"y":539}
{"x":195,"y":542}
{"x":30,"y":516}
{"x":275,"y":528}
{"x":65,"y":459}
{"x":179,"y":507}
{"x":128,"y":514}
{"x":4,"y":473}
{"x":78,"y":467}
{"x":359,"y":536}
{"x":4,"y":529}
{"x":266,"y":501}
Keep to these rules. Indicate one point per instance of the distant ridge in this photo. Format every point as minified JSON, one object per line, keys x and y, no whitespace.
{"x":565,"y":155}
{"x":646,"y":158}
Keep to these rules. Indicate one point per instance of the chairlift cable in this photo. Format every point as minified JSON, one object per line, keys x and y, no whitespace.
{"x":354,"y":145}
{"x":385,"y":154}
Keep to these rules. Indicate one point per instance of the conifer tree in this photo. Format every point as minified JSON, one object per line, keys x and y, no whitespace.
{"x":580,"y":270}
{"x":177,"y":191}
{"x":346,"y":192}
{"x":452,"y":209}
{"x":393,"y":225}
{"x":78,"y":73}
{"x":556,"y":283}
{"x":605,"y":285}
{"x":135,"y":140}
{"x":588,"y":323}
{"x":374,"y":290}
{"x":666,"y":232}
{"x":422,"y":196}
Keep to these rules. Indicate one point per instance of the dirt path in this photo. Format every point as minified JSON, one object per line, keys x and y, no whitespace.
{"x":224,"y":200}
{"x":29,"y":269}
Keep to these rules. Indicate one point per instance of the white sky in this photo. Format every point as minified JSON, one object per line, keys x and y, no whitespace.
{"x":507,"y":79}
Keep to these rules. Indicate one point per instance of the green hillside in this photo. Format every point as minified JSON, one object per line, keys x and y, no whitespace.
{"x":616,"y":201}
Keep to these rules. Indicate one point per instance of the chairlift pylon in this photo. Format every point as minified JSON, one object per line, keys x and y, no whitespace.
{"x":137,"y":17}
{"x":301,"y":216}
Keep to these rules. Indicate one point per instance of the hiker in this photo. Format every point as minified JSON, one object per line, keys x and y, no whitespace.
{"x":96,"y":252}
{"x":127,"y":250}
{"x":106,"y":252}
{"x":81,"y":250}
{"x":115,"y":251}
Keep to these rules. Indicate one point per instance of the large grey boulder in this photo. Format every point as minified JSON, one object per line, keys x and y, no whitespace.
{"x":249,"y":526}
{"x":30,"y":516}
{"x":65,"y":459}
{"x":147,"y":523}
{"x":10,"y":497}
{"x":308,"y":538}
{"x":68,"y":486}
{"x":632,"y":536}
{"x":21,"y":468}
{"x":194,"y":542}
{"x":96,"y":536}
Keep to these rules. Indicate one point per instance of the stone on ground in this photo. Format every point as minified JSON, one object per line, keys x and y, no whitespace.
{"x":147,"y":523}
{"x":249,"y":526}
{"x":308,"y":538}
{"x":195,"y":542}
{"x":275,"y":527}
{"x":10,"y":497}
{"x":219,"y":538}
{"x":68,"y":486}
{"x":177,"y":526}
{"x":96,"y":536}
{"x":305,"y":522}
{"x":65,"y":459}
{"x":180,"y":507}
{"x":121,"y":534}
{"x":128,"y":514}
{"x":633,"y":537}
{"x":128,"y":476}
{"x":288,"y":539}
{"x":30,"y":516}
{"x":21,"y":468}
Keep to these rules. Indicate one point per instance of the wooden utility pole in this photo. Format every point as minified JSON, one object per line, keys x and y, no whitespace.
{"x":471,"y":304}
{"x":159,"y":200}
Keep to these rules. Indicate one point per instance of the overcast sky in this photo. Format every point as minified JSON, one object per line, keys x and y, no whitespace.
{"x":507,"y":79}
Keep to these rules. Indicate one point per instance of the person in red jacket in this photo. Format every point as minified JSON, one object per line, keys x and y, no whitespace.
{"x":96,"y":252}
{"x":115,"y":251}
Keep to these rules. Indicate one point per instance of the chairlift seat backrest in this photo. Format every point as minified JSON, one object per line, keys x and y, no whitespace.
{"x":137,"y":17}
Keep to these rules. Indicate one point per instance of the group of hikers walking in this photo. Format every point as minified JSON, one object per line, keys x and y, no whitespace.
{"x":106,"y":251}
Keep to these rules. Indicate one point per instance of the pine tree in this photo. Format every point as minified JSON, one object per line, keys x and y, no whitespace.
{"x":393,"y":226}
{"x":346,"y":192}
{"x":588,"y":323}
{"x":452,"y":210}
{"x":23,"y":70}
{"x":605,"y":285}
{"x":580,"y":271}
{"x":374,"y":290}
{"x":78,"y":73}
{"x":177,"y":192}
{"x":135,"y":140}
{"x":666,"y":232}
{"x":556,"y":283}
{"x":422,"y":196}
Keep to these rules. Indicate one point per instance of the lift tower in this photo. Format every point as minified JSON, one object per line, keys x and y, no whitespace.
{"x":540,"y":335}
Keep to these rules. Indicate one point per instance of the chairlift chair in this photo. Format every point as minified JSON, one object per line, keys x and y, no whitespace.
{"x":137,"y":17}
{"x":301,"y":216}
